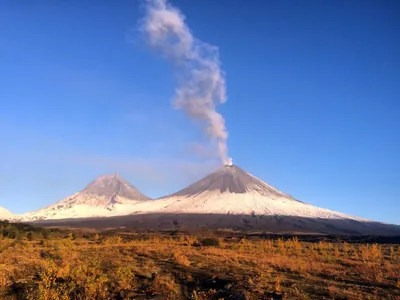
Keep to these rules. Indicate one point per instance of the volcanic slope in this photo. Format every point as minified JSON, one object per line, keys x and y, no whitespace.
{"x":6,"y":214}
{"x":232,"y":198}
{"x":107,"y":195}
{"x":229,"y":198}
{"x":231,"y":190}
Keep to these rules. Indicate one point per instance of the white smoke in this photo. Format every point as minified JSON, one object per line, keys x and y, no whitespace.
{"x":201,"y":81}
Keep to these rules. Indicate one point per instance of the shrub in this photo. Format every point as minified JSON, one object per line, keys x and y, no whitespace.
{"x":11,"y":233}
{"x":45,"y":234}
{"x":181,"y":259}
{"x":165,"y":285}
{"x":96,"y":237}
{"x":29,"y":235}
{"x":191,"y":241}
{"x":210,"y":242}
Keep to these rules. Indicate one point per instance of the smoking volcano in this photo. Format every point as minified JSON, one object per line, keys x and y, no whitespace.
{"x":234,"y":180}
{"x":232,"y":190}
{"x":229,"y":198}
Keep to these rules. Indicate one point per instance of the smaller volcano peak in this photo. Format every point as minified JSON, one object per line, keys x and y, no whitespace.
{"x":110,"y":185}
{"x":102,"y":196}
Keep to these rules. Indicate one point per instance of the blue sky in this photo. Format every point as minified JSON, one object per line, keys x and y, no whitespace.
{"x":313,"y":100}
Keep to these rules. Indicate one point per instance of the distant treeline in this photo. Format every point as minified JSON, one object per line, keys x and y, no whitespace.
{"x":21,"y":231}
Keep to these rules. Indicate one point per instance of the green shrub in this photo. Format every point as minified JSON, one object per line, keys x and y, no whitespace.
{"x":210,"y":242}
{"x":29,"y":235}
{"x":11,"y":232}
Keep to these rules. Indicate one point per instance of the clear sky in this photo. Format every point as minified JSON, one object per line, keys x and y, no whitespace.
{"x":312,"y":107}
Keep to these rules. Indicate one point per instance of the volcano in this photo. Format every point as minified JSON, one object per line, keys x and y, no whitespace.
{"x":229,"y":198}
{"x":231,"y":190}
{"x":107,"y":190}
{"x":105,"y":196}
{"x":231,"y":179}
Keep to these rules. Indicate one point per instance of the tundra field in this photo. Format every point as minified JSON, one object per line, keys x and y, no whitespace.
{"x":37,"y":263}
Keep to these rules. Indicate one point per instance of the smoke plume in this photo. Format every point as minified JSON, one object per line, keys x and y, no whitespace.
{"x":201,"y":82}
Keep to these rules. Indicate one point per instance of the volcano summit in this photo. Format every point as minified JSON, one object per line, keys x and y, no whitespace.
{"x":107,"y":195}
{"x":231,"y":179}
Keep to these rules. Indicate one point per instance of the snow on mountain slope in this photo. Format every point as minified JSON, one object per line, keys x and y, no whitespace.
{"x":231,"y":190}
{"x":6,"y":214}
{"x":228,"y":198}
{"x":107,"y":195}
{"x":248,"y":203}
{"x":227,"y":191}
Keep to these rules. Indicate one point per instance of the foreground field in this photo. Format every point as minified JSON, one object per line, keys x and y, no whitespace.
{"x":43,"y":265}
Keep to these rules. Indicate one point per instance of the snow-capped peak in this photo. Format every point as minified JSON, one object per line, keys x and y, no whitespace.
{"x":231,"y":179}
{"x":106,"y":195}
{"x":110,"y":186}
{"x":231,"y":190}
{"x":227,"y":198}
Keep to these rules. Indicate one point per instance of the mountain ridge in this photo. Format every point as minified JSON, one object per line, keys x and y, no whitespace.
{"x":230,"y":197}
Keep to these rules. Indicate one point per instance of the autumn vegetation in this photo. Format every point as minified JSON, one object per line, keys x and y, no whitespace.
{"x":37,"y":263}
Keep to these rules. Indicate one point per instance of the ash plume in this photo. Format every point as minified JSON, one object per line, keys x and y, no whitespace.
{"x":201,"y":82}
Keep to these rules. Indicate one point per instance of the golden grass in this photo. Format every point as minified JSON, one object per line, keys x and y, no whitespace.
{"x":114,"y":267}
